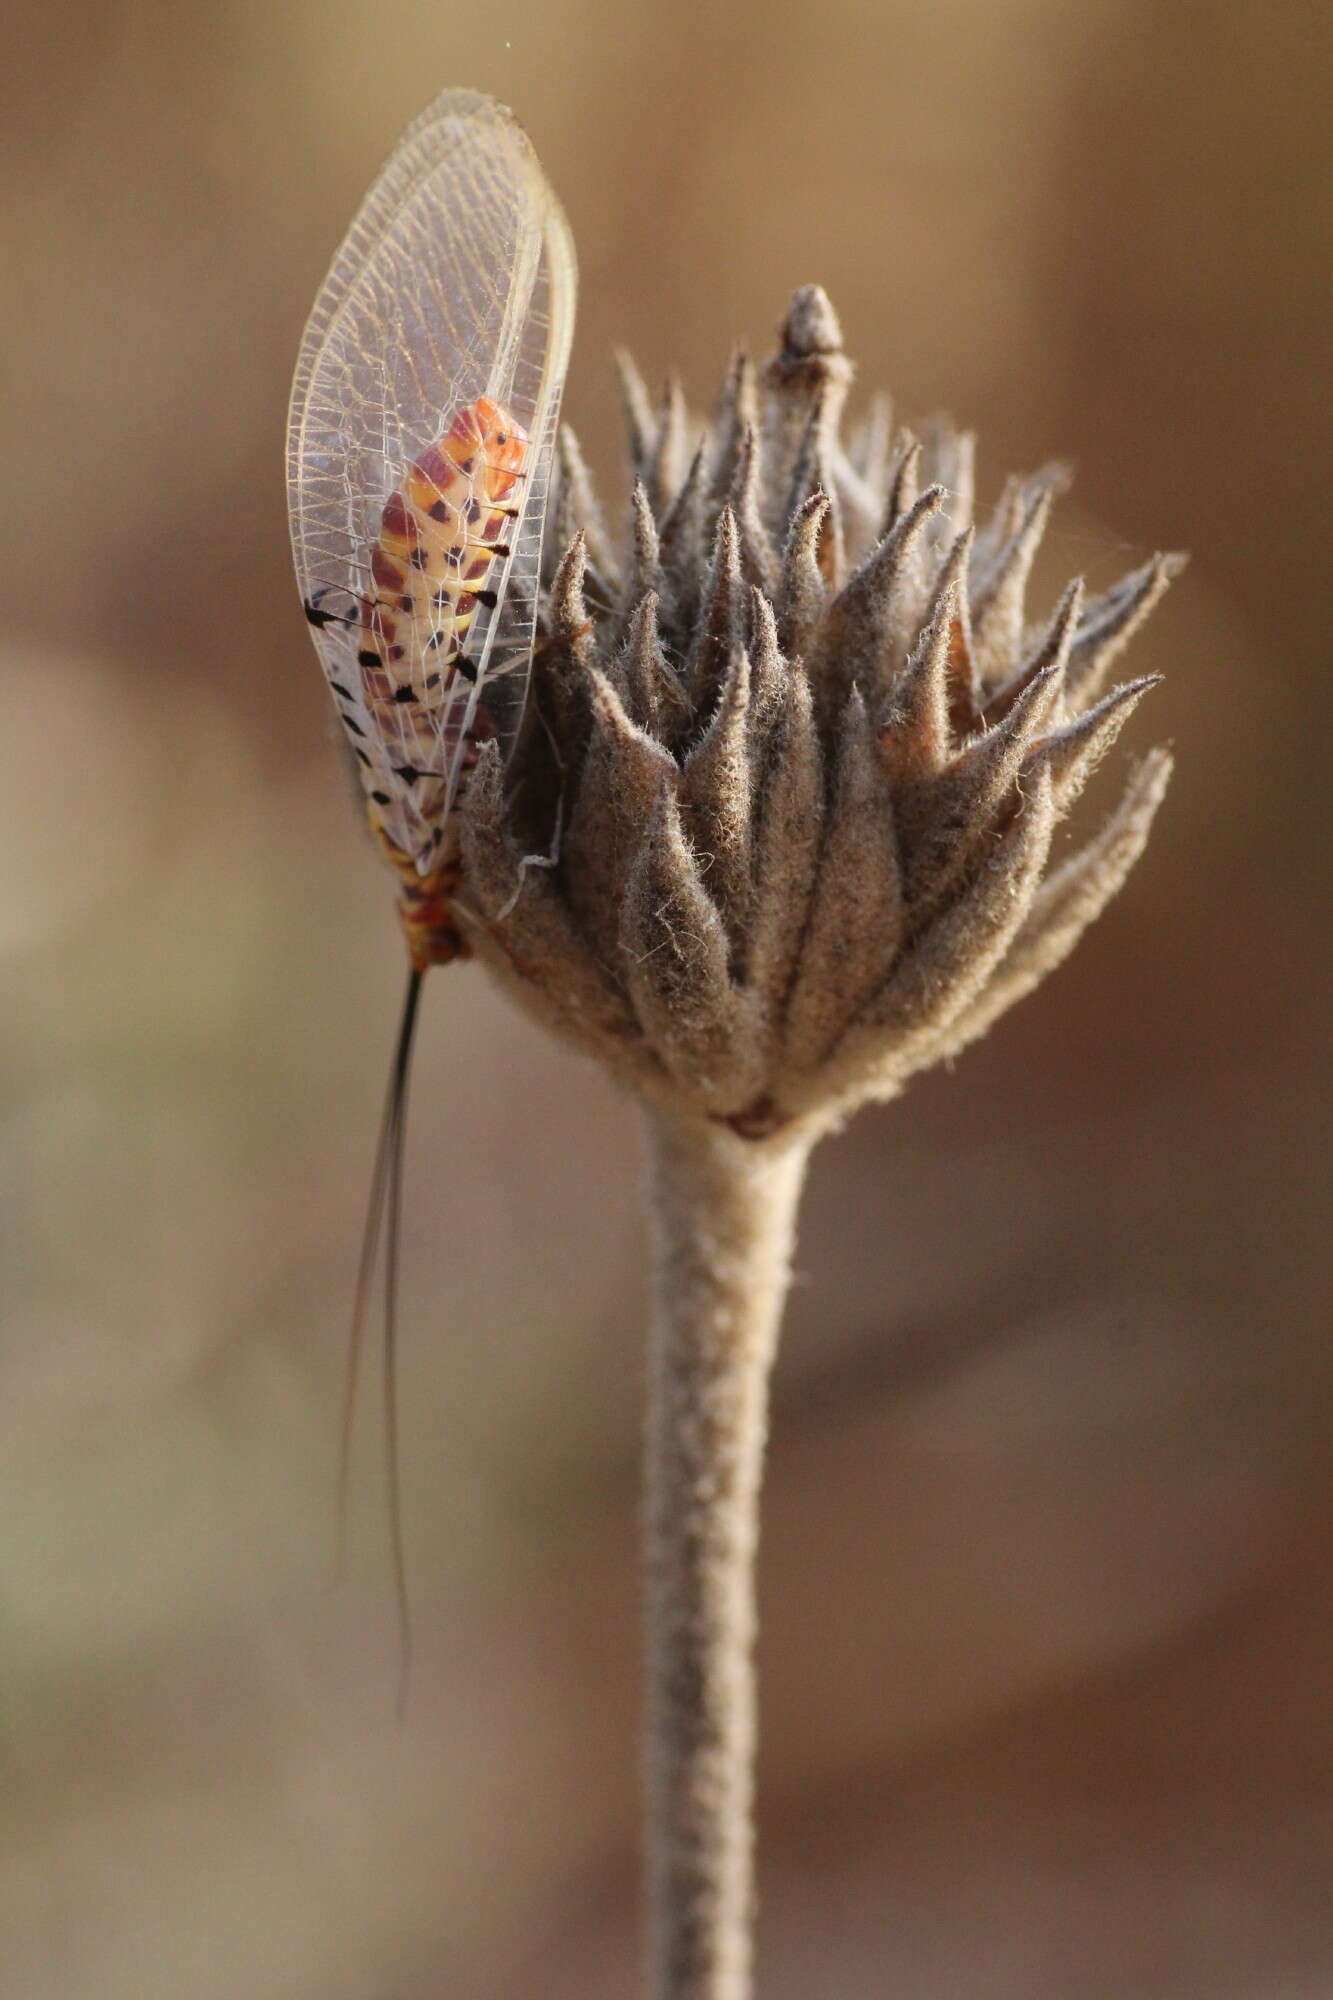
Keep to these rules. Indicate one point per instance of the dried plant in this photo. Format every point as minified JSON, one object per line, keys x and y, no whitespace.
{"x":774,"y":838}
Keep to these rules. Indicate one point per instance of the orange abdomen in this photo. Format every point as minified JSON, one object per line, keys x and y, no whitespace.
{"x":440,"y":537}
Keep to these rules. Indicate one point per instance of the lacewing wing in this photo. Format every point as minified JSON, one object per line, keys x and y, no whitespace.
{"x":419,"y":457}
{"x":443,"y":326}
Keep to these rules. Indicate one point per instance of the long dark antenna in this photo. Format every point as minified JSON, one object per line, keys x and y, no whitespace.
{"x":370,"y":1243}
{"x":402,"y":1066}
{"x":383,"y":1224}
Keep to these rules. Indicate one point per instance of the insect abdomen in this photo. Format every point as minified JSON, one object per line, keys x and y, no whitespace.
{"x":440,"y":535}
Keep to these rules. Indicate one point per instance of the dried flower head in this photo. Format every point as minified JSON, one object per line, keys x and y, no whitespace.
{"x":775,"y":834}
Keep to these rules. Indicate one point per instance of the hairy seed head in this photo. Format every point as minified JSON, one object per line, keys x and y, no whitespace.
{"x":775,"y":835}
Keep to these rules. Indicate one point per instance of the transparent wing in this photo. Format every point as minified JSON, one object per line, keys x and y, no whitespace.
{"x":456,"y":281}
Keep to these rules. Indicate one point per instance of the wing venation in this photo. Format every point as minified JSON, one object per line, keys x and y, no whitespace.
{"x":450,"y":303}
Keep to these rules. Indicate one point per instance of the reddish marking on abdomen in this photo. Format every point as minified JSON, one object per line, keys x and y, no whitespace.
{"x":439,"y":533}
{"x":439,"y":538}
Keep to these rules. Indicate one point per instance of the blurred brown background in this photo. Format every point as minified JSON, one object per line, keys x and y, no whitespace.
{"x":1048,"y":1645}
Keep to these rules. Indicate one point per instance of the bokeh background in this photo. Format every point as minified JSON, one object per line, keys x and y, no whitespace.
{"x":1047,"y":1634}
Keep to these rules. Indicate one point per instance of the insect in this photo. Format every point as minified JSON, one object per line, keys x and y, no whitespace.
{"x":419,"y":454}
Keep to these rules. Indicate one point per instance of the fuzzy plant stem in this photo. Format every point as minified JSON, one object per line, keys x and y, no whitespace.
{"x":723,"y":1213}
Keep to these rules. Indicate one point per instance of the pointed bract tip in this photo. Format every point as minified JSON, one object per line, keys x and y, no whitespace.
{"x":811,"y":326}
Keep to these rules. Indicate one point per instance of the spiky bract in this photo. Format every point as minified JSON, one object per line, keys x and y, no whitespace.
{"x":776,"y":833}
